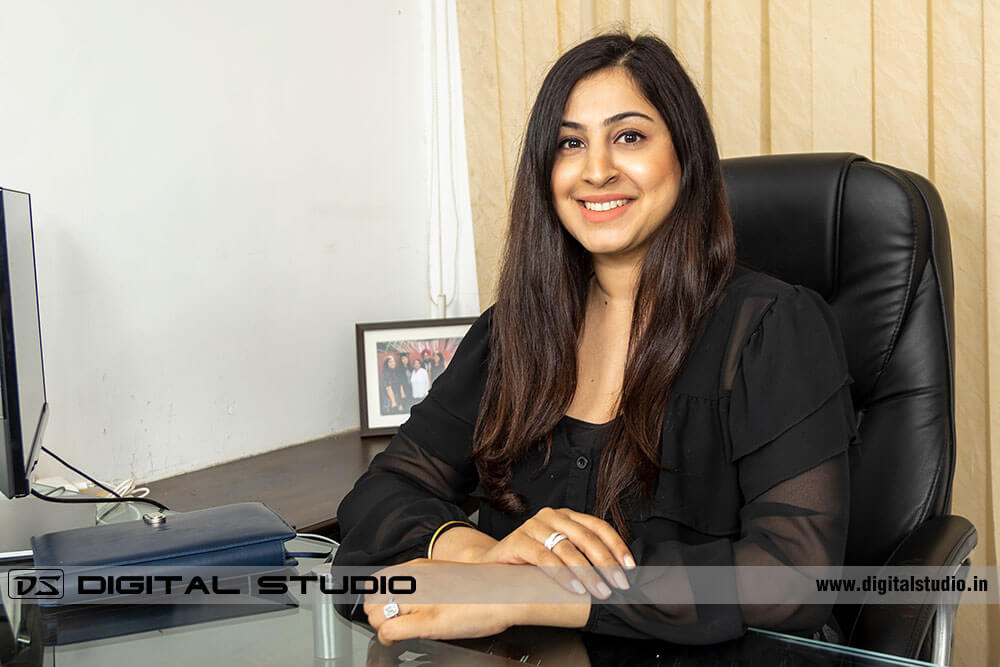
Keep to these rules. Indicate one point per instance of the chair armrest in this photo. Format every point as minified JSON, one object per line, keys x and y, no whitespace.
{"x":944,"y":541}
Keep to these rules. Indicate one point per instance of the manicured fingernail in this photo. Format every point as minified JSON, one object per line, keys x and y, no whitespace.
{"x":603,"y":589}
{"x":578,"y":587}
{"x":629,"y":562}
{"x":620,"y":580}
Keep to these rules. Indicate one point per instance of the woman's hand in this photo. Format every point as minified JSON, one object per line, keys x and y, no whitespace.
{"x":439,"y":621}
{"x":511,"y":595}
{"x":590,"y":543}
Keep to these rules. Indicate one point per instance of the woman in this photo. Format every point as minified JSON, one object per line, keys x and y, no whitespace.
{"x":437,"y":365}
{"x":631,"y":399}
{"x":404,"y":379}
{"x":420,"y":380}
{"x":392,"y":394}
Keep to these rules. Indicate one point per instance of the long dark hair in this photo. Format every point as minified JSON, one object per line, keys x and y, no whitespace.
{"x":544,"y":276}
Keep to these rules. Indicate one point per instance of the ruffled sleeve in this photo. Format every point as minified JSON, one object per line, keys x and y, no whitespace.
{"x":424,"y":475}
{"x":787,"y":424}
{"x":791,"y":380}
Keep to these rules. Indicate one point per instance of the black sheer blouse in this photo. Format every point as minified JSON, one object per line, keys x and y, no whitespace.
{"x":754,"y":447}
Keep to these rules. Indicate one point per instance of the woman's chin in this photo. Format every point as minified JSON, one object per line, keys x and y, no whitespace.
{"x":610,"y":248}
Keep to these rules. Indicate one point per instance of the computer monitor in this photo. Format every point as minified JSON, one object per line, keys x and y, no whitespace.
{"x":23,"y":409}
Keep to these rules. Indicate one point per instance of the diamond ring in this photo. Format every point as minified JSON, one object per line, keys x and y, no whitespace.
{"x":391,"y":610}
{"x":554,"y":539}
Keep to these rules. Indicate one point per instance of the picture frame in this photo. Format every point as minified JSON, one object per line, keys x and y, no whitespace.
{"x":390,"y":358}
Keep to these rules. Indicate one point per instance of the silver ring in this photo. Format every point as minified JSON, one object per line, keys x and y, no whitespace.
{"x":554,"y":539}
{"x":391,"y":610}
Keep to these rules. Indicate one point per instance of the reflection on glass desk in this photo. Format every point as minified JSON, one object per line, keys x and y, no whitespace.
{"x":312,"y":634}
{"x":309,"y":632}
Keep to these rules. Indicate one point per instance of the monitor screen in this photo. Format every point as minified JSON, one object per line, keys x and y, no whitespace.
{"x":22,"y":381}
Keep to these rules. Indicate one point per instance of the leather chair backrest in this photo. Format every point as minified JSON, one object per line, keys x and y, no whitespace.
{"x":873,"y":241}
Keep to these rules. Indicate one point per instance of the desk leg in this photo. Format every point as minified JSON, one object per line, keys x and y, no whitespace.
{"x":332,"y":635}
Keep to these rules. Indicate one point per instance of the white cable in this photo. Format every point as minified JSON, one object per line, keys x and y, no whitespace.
{"x":433,"y":195}
{"x":321,"y":538}
{"x":435,"y":164}
{"x":451,"y":162}
{"x":126,"y":489}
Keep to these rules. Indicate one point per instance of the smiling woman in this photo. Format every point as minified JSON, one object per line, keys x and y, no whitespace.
{"x":634,"y":406}
{"x":616,"y":174}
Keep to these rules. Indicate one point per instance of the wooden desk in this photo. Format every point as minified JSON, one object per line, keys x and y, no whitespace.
{"x":303,"y":483}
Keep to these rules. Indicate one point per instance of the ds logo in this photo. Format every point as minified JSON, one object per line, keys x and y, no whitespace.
{"x":35,"y":584}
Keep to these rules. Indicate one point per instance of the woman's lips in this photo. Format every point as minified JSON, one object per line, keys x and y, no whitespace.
{"x":604,"y":216}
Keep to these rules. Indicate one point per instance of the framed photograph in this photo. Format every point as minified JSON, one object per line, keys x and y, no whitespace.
{"x":397,"y":364}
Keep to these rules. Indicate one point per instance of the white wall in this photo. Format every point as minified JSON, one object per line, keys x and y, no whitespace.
{"x":220,"y":190}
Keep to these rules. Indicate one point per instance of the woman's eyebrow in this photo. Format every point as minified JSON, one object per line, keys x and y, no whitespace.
{"x":608,"y":121}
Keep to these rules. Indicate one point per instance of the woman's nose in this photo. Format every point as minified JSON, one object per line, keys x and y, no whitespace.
{"x":599,"y":169}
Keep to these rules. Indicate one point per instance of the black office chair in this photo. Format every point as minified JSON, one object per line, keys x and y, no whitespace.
{"x":873,"y":241}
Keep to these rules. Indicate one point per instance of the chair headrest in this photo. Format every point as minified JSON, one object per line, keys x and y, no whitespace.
{"x":799,"y":196}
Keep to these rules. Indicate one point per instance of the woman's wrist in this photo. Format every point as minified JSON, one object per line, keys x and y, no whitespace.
{"x":547,"y":603}
{"x":442,"y":529}
{"x":461,"y":544}
{"x":573,"y":615}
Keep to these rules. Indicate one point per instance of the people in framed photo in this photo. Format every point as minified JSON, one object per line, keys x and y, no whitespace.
{"x":398,"y":363}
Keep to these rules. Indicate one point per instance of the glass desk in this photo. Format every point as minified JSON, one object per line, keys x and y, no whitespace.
{"x":311,"y":633}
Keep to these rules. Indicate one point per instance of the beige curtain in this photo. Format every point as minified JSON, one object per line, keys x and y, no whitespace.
{"x":907,"y":82}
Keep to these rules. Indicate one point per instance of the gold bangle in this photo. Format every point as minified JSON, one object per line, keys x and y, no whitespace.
{"x":437,"y":533}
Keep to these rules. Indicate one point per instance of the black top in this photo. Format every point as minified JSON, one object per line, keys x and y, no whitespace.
{"x":754,"y":448}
